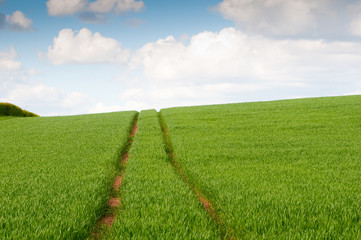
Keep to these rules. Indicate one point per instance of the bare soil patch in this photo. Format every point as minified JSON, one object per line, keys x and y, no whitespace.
{"x":207,"y":205}
{"x":117,"y":182}
{"x":114,"y":202}
{"x":125,"y":158}
{"x":107,"y":220}
{"x":134,"y":130}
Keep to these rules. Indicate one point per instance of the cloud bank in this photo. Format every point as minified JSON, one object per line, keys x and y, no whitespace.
{"x":216,"y":67}
{"x":233,"y":66}
{"x":301,"y":18}
{"x":233,"y":54}
{"x":276,"y":17}
{"x":20,"y":86}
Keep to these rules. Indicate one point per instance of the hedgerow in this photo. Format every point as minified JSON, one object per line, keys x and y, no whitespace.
{"x":8,"y":109}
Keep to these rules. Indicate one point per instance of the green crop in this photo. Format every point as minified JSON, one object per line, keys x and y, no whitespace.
{"x":276,"y":170}
{"x":271,"y":170}
{"x":56,"y":173}
{"x":156,"y":203}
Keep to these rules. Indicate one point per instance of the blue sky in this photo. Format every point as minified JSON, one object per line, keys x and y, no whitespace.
{"x":63,"y":57}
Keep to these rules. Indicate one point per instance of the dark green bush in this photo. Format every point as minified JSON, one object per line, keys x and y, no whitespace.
{"x":8,"y":109}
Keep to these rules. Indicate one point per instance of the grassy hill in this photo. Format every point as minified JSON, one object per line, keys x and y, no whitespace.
{"x":268,"y":170}
{"x":56,"y":173}
{"x":8,"y":109}
{"x":276,"y":170}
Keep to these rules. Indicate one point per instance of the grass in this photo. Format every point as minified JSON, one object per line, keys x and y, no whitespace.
{"x":8,"y":109}
{"x":5,"y":118}
{"x":272,"y":170}
{"x":276,"y":170}
{"x":156,"y":203}
{"x":56,"y":173}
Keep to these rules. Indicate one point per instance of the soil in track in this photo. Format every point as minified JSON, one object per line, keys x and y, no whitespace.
{"x":114,"y":202}
{"x":207,"y":204}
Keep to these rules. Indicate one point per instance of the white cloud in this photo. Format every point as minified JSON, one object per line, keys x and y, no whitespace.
{"x":233,"y":66}
{"x":18,"y":22}
{"x":33,"y":71}
{"x":11,"y":71}
{"x":210,"y":56}
{"x":70,"y":7}
{"x":276,"y":17}
{"x":47,"y":100}
{"x":7,"y":60}
{"x":17,"y":87}
{"x":101,"y":108}
{"x":33,"y":94}
{"x":116,"y":5}
{"x":85,"y":47}
{"x":212,"y":67}
{"x":169,"y":95}
{"x":355,"y":24}
{"x":74,"y":99}
{"x":65,"y":7}
{"x":353,"y":93}
{"x":232,"y":54}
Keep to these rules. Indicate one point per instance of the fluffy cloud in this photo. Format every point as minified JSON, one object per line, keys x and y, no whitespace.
{"x":65,"y":7}
{"x":19,"y":22}
{"x":47,"y":100}
{"x":70,"y":7}
{"x":18,"y":86}
{"x":16,"y":22}
{"x":232,"y":54}
{"x":33,"y":94}
{"x":10,"y":70}
{"x":7,"y":60}
{"x":233,"y":66}
{"x":276,"y":17}
{"x":85,"y":47}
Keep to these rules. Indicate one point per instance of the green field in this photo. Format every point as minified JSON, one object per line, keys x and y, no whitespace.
{"x":56,"y":173}
{"x":276,"y":170}
{"x":271,"y":170}
{"x":156,"y":204}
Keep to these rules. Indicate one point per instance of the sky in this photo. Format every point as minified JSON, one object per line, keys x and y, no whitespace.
{"x":66,"y":57}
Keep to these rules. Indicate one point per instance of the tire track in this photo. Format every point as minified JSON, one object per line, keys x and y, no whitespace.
{"x":114,"y":202}
{"x":227,"y":233}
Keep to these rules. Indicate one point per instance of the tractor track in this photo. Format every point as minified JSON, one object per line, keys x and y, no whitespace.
{"x":114,"y":202}
{"x":226,"y":232}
